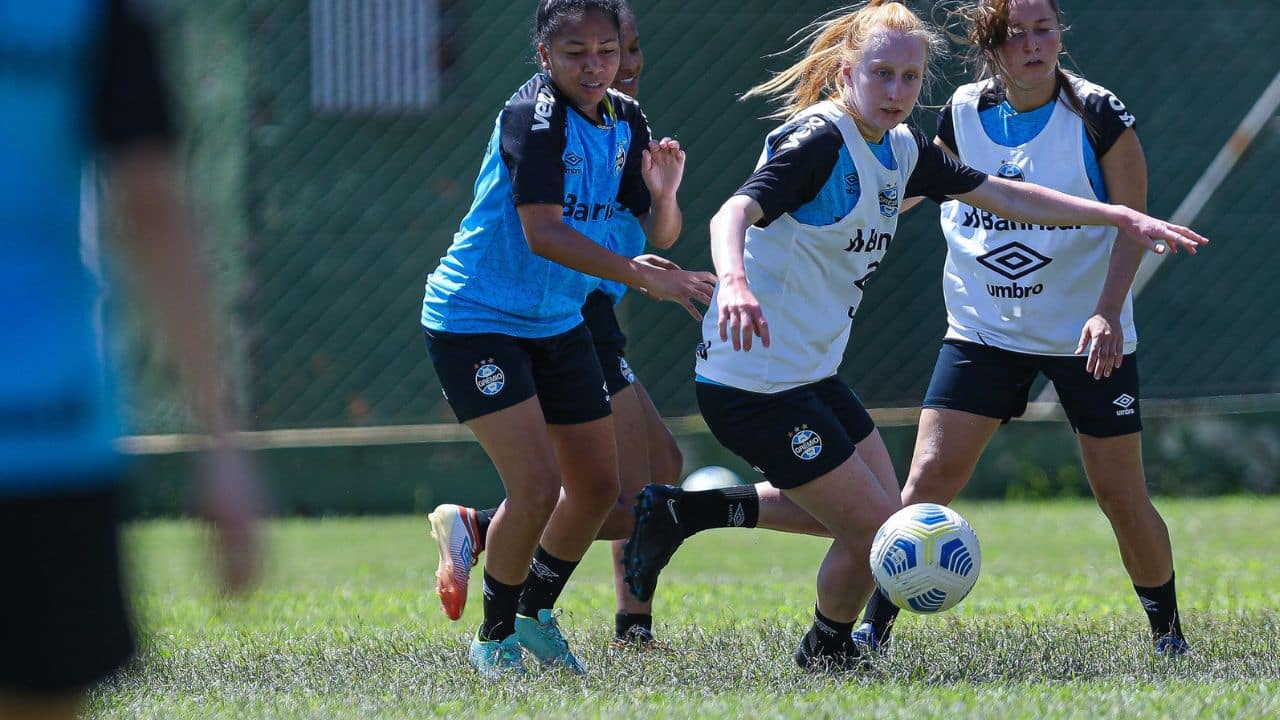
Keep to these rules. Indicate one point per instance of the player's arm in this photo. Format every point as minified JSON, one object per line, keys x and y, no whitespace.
{"x":1031,"y":203}
{"x":132,"y":123}
{"x":740,"y":317}
{"x":663,"y":169}
{"x":550,"y":238}
{"x":532,"y":140}
{"x":650,"y":178}
{"x":1124,"y":170}
{"x":798,"y":162}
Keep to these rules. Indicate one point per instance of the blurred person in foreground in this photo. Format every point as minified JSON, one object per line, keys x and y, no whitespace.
{"x":78,"y":84}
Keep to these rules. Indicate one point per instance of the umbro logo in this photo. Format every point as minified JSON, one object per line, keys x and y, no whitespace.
{"x":1150,"y":605}
{"x":1125,"y":403}
{"x":539,"y":568}
{"x":1014,"y":260}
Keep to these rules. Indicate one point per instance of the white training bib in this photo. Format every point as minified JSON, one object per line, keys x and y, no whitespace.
{"x":1024,"y":287}
{"x":808,"y":279}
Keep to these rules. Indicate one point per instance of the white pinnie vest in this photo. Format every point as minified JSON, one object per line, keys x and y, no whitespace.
{"x":808,"y":279}
{"x":1017,"y":286}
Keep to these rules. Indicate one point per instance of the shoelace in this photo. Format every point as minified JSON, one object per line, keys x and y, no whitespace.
{"x":552,"y":628}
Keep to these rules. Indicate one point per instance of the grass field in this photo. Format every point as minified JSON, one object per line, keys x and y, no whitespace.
{"x":346,"y":626}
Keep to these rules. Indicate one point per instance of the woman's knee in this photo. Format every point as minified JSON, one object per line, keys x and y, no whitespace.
{"x":934,"y":477}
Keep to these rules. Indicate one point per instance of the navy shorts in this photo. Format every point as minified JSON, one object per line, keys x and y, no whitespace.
{"x":996,"y":383}
{"x":610,"y":341}
{"x":483,"y":373}
{"x":792,"y":437}
{"x":63,"y":614}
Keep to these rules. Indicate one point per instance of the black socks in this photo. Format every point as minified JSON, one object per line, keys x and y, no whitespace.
{"x":1161,"y":604}
{"x":723,"y":507}
{"x":880,"y":612}
{"x":483,"y":518}
{"x":499,"y":609}
{"x":547,"y":577}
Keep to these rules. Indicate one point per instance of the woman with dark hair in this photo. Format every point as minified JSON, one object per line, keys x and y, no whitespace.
{"x":503,"y":321}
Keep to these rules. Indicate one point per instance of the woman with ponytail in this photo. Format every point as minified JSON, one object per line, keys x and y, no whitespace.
{"x":1068,"y":315}
{"x":793,"y":249}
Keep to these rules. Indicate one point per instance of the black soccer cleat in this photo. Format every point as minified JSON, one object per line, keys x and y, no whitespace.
{"x":812,"y":656}
{"x":657,"y":533}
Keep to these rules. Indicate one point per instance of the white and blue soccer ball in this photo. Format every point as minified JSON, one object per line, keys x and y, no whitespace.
{"x":710,"y":478}
{"x":925,"y":558}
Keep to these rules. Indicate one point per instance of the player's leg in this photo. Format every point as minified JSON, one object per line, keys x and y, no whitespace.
{"x":851,"y":502}
{"x":1106,"y":414}
{"x":575,"y":401}
{"x":973,"y":390}
{"x":63,"y":614}
{"x":489,"y":382}
{"x":519,"y":444}
{"x":32,"y":707}
{"x":634,"y":418}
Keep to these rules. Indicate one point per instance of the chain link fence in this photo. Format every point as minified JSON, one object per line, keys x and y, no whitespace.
{"x":332,"y":184}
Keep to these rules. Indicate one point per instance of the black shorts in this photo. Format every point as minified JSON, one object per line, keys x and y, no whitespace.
{"x":793,"y":436}
{"x":610,"y":341}
{"x":64,"y":624}
{"x":486,"y":372}
{"x":996,"y":383}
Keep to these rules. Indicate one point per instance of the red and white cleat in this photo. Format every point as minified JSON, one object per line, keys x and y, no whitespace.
{"x":458,"y":540}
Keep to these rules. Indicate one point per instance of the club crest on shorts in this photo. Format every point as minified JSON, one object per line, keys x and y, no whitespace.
{"x":805,"y":443}
{"x":489,"y":378}
{"x":889,"y":200}
{"x":1010,"y":171}
{"x":625,"y":369}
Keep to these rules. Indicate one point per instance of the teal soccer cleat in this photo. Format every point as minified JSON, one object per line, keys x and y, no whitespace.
{"x":495,"y":660}
{"x":541,"y":636}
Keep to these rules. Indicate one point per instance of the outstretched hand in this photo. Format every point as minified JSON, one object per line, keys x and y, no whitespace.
{"x":680,"y":286}
{"x":663,"y":167}
{"x":1159,"y":235}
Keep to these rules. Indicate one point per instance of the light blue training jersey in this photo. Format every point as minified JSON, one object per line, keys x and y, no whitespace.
{"x":542,"y":151}
{"x":60,"y":101}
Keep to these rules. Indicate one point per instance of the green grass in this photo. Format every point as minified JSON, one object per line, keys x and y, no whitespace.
{"x":346,"y":626}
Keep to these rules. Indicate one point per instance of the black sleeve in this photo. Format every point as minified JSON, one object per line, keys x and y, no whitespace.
{"x":633,"y":194}
{"x":938,"y":174}
{"x":532,"y":144}
{"x":1108,"y":118}
{"x":801,"y":157}
{"x":947,"y":128}
{"x":130,"y":102}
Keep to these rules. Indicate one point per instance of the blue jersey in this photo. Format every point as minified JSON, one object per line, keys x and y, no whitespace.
{"x":542,"y":150}
{"x":75,"y":76}
{"x":627,"y":238}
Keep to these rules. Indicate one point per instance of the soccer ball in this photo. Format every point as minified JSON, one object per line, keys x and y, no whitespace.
{"x":710,"y":478}
{"x":925,"y":558}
